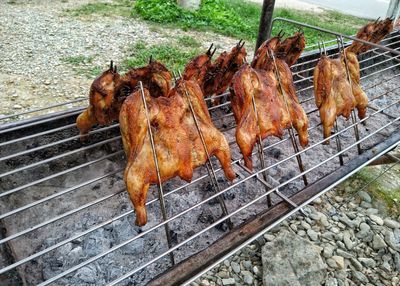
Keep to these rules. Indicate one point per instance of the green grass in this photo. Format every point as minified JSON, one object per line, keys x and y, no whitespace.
{"x":240,"y":19}
{"x":188,"y":41}
{"x":170,"y":54}
{"x":386,"y":189}
{"x":116,"y":8}
{"x":82,"y":65}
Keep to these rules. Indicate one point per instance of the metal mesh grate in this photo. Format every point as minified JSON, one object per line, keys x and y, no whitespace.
{"x":68,"y":219}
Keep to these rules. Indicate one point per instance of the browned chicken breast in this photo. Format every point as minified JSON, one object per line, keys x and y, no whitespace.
{"x":177,"y":141}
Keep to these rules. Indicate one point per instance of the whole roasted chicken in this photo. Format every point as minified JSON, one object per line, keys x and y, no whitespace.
{"x":219,"y":75}
{"x":177,"y":140}
{"x":337,"y":87}
{"x":269,"y":83}
{"x":109,"y":90}
{"x":215,"y":77}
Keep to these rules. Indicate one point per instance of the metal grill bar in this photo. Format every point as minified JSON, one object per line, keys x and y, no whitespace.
{"x":7,"y":269}
{"x":160,"y":188}
{"x":55,"y":278}
{"x":43,"y":108}
{"x":233,"y":213}
{"x":59,"y":156}
{"x":293,"y":204}
{"x":9,"y":192}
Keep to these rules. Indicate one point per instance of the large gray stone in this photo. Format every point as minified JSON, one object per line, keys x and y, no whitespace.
{"x":392,"y":239}
{"x":291,"y":260}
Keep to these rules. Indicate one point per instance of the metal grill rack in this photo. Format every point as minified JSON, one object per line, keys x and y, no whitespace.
{"x":68,"y":220}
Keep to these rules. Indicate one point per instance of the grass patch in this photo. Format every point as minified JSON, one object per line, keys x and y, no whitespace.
{"x":385,"y":189}
{"x":82,"y":65}
{"x":171,"y":55}
{"x":240,"y":19}
{"x":116,"y":8}
{"x":76,"y":60}
{"x":188,"y":41}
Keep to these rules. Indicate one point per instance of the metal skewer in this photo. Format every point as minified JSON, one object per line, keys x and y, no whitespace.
{"x":261,"y":149}
{"x":291,"y":132}
{"x":160,"y":188}
{"x":353,"y":113}
{"x":322,"y":51}
{"x":209,"y":166}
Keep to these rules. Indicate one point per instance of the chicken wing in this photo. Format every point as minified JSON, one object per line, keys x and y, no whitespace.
{"x":177,"y":140}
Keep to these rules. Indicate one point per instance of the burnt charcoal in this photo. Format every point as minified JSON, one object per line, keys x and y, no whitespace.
{"x":96,"y":187}
{"x":207,"y":187}
{"x":223,"y":226}
{"x":275,"y":152}
{"x":174,"y":236}
{"x":229,"y":196}
{"x":287,"y":177}
{"x":205,"y":218}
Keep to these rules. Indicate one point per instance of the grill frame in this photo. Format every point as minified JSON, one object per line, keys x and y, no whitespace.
{"x":38,"y":125}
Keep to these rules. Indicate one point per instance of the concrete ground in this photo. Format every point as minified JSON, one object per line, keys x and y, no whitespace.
{"x":369,"y":8}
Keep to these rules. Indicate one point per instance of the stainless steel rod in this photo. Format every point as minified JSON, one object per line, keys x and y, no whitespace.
{"x":63,"y":192}
{"x":129,"y":212}
{"x":59,"y":156}
{"x":21,"y":153}
{"x":30,"y":184}
{"x":123,"y":277}
{"x":42,"y":108}
{"x":160,"y":187}
{"x":6,"y":130}
{"x":57,"y":218}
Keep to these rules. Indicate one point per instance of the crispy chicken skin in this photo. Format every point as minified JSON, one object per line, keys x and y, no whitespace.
{"x":197,"y":68}
{"x":291,"y":48}
{"x":334,"y":93}
{"x":177,"y":141}
{"x":103,"y":108}
{"x":277,"y":108}
{"x":109,"y":90}
{"x":219,"y":75}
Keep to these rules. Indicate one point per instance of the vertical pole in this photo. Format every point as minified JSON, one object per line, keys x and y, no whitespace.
{"x":160,"y":188}
{"x":210,"y":168}
{"x":353,"y":113}
{"x":264,"y":30}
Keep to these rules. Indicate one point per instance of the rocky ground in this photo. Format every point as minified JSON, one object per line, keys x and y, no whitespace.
{"x":39,"y":40}
{"x":345,"y":238}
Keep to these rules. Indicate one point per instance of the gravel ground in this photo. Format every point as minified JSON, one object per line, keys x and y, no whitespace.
{"x":35,"y":37}
{"x":352,"y":238}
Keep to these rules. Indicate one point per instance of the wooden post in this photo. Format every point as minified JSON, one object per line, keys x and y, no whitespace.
{"x":264,"y":30}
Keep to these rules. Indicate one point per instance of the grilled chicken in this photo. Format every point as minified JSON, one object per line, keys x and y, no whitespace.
{"x":289,"y":50}
{"x":220,"y":73}
{"x":337,"y":87}
{"x":270,"y":82}
{"x":177,"y":141}
{"x":197,"y":68}
{"x":109,"y":90}
{"x":333,"y":94}
{"x":277,"y":109}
